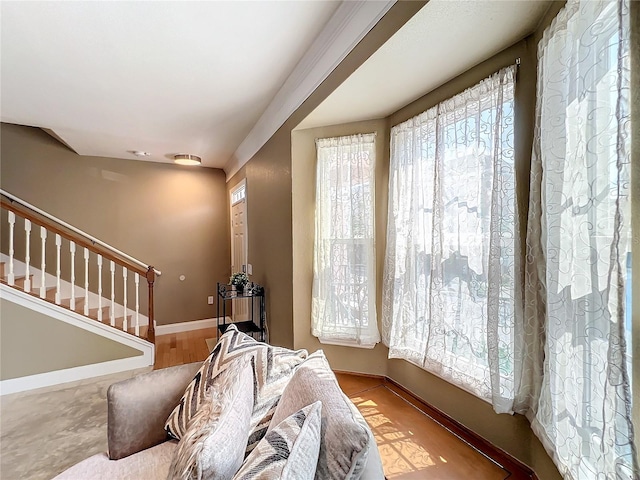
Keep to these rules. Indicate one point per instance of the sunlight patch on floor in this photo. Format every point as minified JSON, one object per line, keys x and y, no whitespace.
{"x":412,"y":445}
{"x":399,"y":453}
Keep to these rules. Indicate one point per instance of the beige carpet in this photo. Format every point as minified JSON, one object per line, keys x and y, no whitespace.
{"x":45,"y":432}
{"x":211,"y":343}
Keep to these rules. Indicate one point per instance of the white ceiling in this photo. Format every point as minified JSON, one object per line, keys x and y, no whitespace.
{"x":163,"y":77}
{"x":444,"y":39}
{"x":217,"y":78}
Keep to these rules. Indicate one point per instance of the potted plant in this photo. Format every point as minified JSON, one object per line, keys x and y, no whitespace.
{"x":239,"y":280}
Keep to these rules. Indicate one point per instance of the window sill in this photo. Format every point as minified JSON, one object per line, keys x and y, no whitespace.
{"x":346,"y":343}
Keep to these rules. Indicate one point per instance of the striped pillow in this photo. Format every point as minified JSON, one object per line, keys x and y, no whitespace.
{"x":214,"y":444}
{"x":272,"y":369}
{"x":289,"y":451}
{"x":344,"y":448}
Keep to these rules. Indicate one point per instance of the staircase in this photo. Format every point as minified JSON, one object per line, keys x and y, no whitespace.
{"x":61,"y":274}
{"x":49,"y":259}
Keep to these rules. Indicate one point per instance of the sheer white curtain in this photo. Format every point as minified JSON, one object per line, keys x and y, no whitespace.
{"x":449,"y":297}
{"x":578,"y":243}
{"x":343,"y":308}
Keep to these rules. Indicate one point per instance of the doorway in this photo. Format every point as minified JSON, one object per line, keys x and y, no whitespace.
{"x":239,"y":247}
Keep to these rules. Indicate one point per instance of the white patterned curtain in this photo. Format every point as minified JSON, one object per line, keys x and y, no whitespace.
{"x":578,"y":244}
{"x":343,"y":308}
{"x":449,"y":297}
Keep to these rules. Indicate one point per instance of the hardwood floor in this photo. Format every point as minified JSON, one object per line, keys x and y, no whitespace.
{"x":412,"y":445}
{"x":182,"y":348}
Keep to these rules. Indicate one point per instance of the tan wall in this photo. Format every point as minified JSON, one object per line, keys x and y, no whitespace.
{"x":32,"y":343}
{"x":303,"y":172}
{"x":268,"y":197}
{"x":173,"y":217}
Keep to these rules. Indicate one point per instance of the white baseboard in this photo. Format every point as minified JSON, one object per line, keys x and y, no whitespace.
{"x":32,"y":382}
{"x":188,"y":326}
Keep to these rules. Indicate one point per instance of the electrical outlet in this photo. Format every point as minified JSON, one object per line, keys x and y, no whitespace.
{"x":210,"y":299}
{"x":249,"y":269}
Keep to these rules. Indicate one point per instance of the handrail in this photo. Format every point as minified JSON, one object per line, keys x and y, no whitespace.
{"x":78,"y":231}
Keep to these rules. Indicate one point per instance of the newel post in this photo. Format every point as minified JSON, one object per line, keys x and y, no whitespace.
{"x":151,"y":331}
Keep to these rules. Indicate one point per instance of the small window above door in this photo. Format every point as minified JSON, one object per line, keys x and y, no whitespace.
{"x":239,"y":193}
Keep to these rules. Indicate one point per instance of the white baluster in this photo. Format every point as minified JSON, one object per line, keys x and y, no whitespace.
{"x":99,"y":288}
{"x":58,"y":246}
{"x":72,"y":249}
{"x":43,"y":237}
{"x":124,"y":301}
{"x":27,"y":257}
{"x":113,"y":294}
{"x":86,"y":282}
{"x":11,"y":278}
{"x":136,"y":278}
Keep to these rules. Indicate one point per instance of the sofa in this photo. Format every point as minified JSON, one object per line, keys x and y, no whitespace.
{"x":140,"y":448}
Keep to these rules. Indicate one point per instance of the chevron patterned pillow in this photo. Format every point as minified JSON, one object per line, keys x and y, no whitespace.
{"x":214,"y":444}
{"x":345,"y":440}
{"x":289,"y":451}
{"x":272,"y":369}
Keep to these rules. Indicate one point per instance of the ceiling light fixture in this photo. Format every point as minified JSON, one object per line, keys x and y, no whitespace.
{"x":187,"y":159}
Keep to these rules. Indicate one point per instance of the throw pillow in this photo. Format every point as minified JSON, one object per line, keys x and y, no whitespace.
{"x":214,"y":443}
{"x":272,"y":370}
{"x":289,"y":451}
{"x":345,"y":439}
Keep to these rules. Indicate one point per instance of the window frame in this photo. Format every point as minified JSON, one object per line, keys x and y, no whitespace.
{"x":366,"y":241}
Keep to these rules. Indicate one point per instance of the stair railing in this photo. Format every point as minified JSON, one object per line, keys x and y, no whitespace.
{"x":23,"y":218}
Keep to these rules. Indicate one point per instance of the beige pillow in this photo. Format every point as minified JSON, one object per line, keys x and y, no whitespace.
{"x":215,"y":440}
{"x":289,"y":451}
{"x":345,"y":438}
{"x":272,"y":370}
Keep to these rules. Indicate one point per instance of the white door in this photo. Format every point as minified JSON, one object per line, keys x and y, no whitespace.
{"x":239,"y":243}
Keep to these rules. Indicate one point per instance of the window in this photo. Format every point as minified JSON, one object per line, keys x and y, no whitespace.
{"x":239,"y":193}
{"x":579,"y":234}
{"x":343,"y":302}
{"x":450,"y":269}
